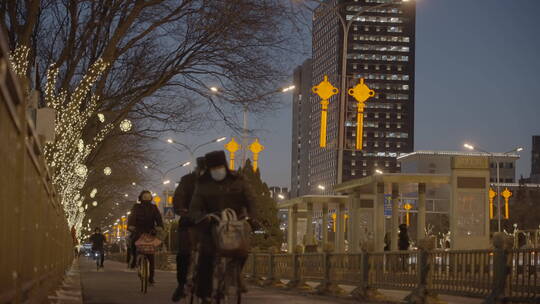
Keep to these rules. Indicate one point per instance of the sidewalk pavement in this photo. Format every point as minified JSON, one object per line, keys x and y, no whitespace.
{"x":115,"y":284}
{"x":69,"y":292}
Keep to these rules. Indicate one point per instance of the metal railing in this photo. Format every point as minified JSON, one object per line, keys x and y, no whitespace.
{"x":511,"y":274}
{"x":36,"y":243}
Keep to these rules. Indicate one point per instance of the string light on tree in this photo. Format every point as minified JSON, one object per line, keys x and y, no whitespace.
{"x":93,"y":193}
{"x":101,"y":117}
{"x":19,"y":60}
{"x":107,"y":171}
{"x":125,"y":125}
{"x":94,"y":203}
{"x":81,"y":170}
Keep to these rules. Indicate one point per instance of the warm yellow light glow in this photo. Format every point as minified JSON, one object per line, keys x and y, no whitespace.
{"x":470,"y":147}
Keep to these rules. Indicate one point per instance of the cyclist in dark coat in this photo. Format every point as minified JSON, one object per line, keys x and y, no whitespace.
{"x":217,"y":189}
{"x":181,"y":202}
{"x":144,"y":218}
{"x":98,"y":241}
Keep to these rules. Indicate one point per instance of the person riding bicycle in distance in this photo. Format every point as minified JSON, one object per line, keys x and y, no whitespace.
{"x":98,"y":241}
{"x":144,"y":218}
{"x":217,"y":189}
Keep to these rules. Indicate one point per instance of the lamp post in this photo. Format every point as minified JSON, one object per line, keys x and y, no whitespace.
{"x":492,"y":155}
{"x":346,"y":26}
{"x":245,"y":109}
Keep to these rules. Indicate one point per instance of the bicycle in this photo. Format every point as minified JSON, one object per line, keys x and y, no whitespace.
{"x":143,"y":268}
{"x":226,"y":280}
{"x":227,"y":273}
{"x":145,"y":245}
{"x":97,"y":257}
{"x":227,"y":276}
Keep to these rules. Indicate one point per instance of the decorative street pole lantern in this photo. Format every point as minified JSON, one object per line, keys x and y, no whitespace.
{"x":157,"y":199}
{"x":361,"y":93}
{"x":492,"y":195}
{"x":256,"y":148}
{"x":506,"y":194}
{"x":232,"y":147}
{"x":407,"y":207}
{"x":325,"y":90}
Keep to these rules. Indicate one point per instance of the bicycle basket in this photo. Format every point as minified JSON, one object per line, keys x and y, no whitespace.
{"x":147,"y":244}
{"x":232,"y":235}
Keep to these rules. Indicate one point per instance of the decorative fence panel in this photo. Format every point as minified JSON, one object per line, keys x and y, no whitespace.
{"x":472,"y":273}
{"x":524,"y":278}
{"x":394,"y":270}
{"x":283,"y":266}
{"x":312,"y":266}
{"x":462,"y":272}
{"x":262,"y":265}
{"x":345,"y":268}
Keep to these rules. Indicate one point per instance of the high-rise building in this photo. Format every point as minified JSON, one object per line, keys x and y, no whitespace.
{"x":535,"y":159}
{"x":381,"y":48}
{"x":301,"y":130}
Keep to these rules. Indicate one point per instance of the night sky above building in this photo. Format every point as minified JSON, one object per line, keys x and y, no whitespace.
{"x":477,"y":81}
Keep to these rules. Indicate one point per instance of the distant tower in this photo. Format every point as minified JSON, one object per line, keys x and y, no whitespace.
{"x":535,"y":159}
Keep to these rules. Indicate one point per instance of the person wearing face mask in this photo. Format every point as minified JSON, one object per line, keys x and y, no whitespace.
{"x":144,"y":218}
{"x":217,"y":189}
{"x":186,"y":233}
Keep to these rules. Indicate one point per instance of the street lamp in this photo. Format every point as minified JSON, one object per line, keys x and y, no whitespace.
{"x":492,"y":155}
{"x":321,"y":187}
{"x":280,"y":196}
{"x":291,"y":87}
{"x":378,"y":171}
{"x":245,"y":106}
{"x":191,"y":151}
{"x":346,"y":26}
{"x":166,"y":182}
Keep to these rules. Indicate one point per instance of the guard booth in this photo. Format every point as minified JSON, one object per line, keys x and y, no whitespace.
{"x":308,"y":221}
{"x":375,"y":205}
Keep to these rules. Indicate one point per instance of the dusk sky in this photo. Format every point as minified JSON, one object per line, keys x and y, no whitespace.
{"x":477,"y":81}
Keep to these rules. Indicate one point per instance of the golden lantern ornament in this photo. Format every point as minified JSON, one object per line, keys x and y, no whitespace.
{"x":232,"y":147}
{"x":325,"y":90}
{"x":506,"y":194}
{"x":256,"y":148}
{"x":492,"y":195}
{"x":407,"y":208}
{"x":361,"y":92}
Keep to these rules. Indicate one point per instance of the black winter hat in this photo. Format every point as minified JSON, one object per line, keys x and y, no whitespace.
{"x":201,"y":163}
{"x":215,"y":159}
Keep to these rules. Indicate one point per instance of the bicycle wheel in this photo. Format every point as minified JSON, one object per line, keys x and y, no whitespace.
{"x":235,"y":291}
{"x":144,"y":268}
